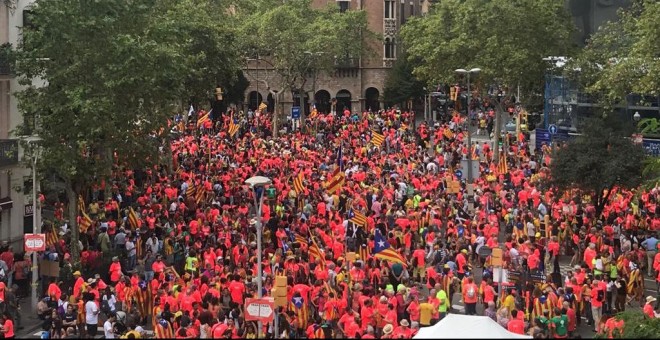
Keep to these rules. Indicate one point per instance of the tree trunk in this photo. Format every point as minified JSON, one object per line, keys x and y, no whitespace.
{"x":73,"y":223}
{"x":108,"y":185}
{"x":602,"y":200}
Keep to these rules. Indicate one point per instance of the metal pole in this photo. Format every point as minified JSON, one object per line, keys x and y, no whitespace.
{"x":426,"y":108}
{"x":469,"y":134}
{"x":259,"y":271}
{"x":276,"y":327}
{"x":35,"y":228}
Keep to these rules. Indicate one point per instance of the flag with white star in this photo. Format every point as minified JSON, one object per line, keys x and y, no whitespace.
{"x":384,"y":251}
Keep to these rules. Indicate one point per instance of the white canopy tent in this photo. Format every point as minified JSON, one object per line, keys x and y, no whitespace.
{"x":458,"y":326}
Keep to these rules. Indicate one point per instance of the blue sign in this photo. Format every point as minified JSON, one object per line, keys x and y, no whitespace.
{"x":295,"y":112}
{"x":552,"y":129}
{"x":651,"y":146}
{"x":458,"y":174}
{"x":542,"y":136}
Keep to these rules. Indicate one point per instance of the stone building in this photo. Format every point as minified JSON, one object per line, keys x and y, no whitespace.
{"x":357,"y":85}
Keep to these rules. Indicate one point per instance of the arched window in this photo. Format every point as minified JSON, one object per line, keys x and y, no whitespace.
{"x":389,"y":48}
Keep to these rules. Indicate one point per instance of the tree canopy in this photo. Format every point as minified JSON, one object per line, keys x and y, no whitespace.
{"x":623,"y":57}
{"x":506,"y":39}
{"x":596,"y":162}
{"x":102,"y":78}
{"x":297,"y":40}
{"x":401,"y":84}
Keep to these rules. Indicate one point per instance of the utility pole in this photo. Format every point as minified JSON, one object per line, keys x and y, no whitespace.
{"x":467,"y":110}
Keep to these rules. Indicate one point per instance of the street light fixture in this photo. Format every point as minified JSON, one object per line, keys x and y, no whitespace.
{"x":637,"y":116}
{"x":32,"y":141}
{"x":257,"y":184}
{"x":467,"y":110}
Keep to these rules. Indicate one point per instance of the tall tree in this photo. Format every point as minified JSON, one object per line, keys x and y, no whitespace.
{"x":296,"y":39}
{"x":596,"y":162}
{"x":623,"y":56}
{"x":109,"y":73}
{"x":506,"y":39}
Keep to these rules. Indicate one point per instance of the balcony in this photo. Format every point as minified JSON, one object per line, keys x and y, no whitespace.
{"x":346,"y":63}
{"x":389,"y":27}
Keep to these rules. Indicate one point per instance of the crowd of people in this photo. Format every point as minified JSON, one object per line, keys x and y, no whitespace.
{"x":365,"y":221}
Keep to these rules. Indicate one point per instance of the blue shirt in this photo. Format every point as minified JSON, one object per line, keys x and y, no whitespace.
{"x":650,"y":243}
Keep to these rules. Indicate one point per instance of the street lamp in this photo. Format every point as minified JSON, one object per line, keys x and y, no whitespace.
{"x":637,"y":116}
{"x":257,"y":184}
{"x":32,"y":141}
{"x":467,"y":110}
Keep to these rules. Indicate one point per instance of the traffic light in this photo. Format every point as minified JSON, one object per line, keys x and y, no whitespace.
{"x":452,"y":93}
{"x":279,"y":291}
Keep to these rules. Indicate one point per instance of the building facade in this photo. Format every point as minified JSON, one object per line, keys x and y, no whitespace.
{"x":15,"y":178}
{"x":357,"y":85}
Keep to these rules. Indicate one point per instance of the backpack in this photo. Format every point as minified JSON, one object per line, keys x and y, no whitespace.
{"x":471,"y":291}
{"x":105,"y":306}
{"x":600,"y":296}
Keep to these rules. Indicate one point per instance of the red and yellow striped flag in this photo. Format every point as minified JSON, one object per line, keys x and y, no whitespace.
{"x":133,"y":219}
{"x":298,"y":184}
{"x":203,"y":119}
{"x":377,"y":139}
{"x":316,"y":252}
{"x":502,"y":166}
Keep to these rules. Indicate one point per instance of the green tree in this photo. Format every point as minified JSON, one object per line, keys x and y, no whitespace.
{"x":282,"y":32}
{"x":506,"y":39}
{"x":636,"y":325}
{"x":622,"y":57}
{"x":596,"y":162}
{"x":401,"y":84}
{"x":102,"y":78}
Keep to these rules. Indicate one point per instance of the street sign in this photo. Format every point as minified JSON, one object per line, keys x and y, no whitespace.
{"x":458,"y":174}
{"x":260,"y":310}
{"x":295,"y":112}
{"x":552,"y":129}
{"x":34,"y":242}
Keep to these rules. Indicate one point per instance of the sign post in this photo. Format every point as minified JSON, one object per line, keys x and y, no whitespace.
{"x":260,"y":310}
{"x":34,"y":242}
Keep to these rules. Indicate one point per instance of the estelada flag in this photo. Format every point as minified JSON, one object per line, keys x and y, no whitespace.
{"x":383,"y":250}
{"x":357,"y":217}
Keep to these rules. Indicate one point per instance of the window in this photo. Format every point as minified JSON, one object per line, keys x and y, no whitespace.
{"x":402,"y":13}
{"x":389,"y":48}
{"x":389,"y":9}
{"x":344,"y":5}
{"x":412,"y":8}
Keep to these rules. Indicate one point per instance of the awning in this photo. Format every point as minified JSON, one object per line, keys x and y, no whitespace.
{"x":6,"y":203}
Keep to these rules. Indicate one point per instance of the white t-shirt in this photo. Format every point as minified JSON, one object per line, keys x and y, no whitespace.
{"x":107,"y":330}
{"x":91,"y":313}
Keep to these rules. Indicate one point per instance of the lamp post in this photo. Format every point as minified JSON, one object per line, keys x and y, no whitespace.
{"x":32,"y":141}
{"x":467,"y":110}
{"x":257,"y":184}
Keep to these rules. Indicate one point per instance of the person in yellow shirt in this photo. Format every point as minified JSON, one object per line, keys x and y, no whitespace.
{"x":425,"y":313}
{"x":510,"y":301}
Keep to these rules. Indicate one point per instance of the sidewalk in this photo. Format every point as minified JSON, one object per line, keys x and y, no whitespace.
{"x":29,"y":321}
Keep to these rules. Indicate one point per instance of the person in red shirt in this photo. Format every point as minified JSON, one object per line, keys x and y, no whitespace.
{"x":648,"y":307}
{"x":515,"y":325}
{"x":470,"y":297}
{"x":572,"y":318}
